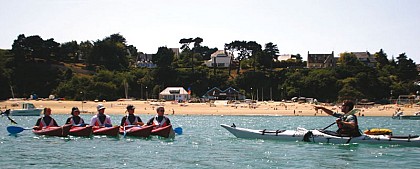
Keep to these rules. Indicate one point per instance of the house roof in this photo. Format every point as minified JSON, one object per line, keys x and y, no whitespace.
{"x":173,"y":90}
{"x":219,"y":53}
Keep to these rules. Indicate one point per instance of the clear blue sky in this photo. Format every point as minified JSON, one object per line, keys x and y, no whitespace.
{"x":296,"y":26}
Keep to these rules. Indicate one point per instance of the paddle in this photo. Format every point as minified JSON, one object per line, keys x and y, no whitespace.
{"x":178,"y":130}
{"x":7,"y":112}
{"x":354,"y":111}
{"x":16,"y":129}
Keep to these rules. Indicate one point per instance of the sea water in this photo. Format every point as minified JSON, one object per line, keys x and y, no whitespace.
{"x":204,"y":144}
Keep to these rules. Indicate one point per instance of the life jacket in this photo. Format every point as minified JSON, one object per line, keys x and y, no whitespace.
{"x":162,"y":123}
{"x":99,"y":123}
{"x":81,"y":121}
{"x":42,"y":124}
{"x":127,"y":121}
{"x":347,"y":131}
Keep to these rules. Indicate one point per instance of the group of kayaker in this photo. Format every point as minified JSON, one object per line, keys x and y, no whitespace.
{"x":103,"y":120}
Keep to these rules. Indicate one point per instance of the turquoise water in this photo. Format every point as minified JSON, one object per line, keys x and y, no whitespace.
{"x":204,"y":144}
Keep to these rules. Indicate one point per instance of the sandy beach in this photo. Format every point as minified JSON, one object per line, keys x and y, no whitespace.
{"x":217,"y":108}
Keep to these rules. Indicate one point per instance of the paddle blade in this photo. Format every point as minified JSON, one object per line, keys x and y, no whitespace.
{"x":14,"y":129}
{"x":178,"y":130}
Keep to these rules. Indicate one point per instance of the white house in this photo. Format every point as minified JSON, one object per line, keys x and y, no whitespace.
{"x":174,"y":93}
{"x":285,"y":57}
{"x":218,"y":59}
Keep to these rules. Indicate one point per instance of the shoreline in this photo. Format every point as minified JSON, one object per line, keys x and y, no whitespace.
{"x":218,"y":108}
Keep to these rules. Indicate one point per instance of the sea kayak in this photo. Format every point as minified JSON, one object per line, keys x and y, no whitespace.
{"x":85,"y":131}
{"x":166,"y":131}
{"x":137,"y":131}
{"x":61,"y":131}
{"x":108,"y":131}
{"x":321,"y":136}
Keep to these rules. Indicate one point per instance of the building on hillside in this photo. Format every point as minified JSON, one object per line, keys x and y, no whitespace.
{"x":218,"y":59}
{"x":174,"y":93}
{"x":285,"y":57}
{"x":228,"y":94}
{"x":321,"y":60}
{"x":366,"y":58}
{"x":145,"y":60}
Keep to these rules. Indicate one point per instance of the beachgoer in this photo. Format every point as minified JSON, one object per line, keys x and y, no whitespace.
{"x":159,"y":120}
{"x":75,"y":119}
{"x":130,"y":118}
{"x":347,"y":125}
{"x":101,"y":119}
{"x":46,"y":120}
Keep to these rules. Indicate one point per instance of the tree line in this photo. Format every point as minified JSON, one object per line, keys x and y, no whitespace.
{"x":105,"y":69}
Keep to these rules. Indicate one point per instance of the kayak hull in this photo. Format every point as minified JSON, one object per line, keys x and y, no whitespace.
{"x":166,"y":131}
{"x":61,"y":131}
{"x":107,"y":131}
{"x":81,"y":131}
{"x":320,"y":136}
{"x":137,"y":131}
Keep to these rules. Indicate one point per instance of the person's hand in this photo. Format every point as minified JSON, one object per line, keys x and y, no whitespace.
{"x":338,"y":120}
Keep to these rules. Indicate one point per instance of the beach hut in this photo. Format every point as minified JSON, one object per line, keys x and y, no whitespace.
{"x":174,"y":93}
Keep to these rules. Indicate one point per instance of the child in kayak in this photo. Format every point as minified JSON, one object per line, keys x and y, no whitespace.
{"x":159,"y":120}
{"x":75,"y":119}
{"x":46,"y":120}
{"x":101,"y":119}
{"x":131,"y":119}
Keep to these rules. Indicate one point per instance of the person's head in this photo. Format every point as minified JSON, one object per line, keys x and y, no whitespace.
{"x":160,"y":110}
{"x":75,"y":111}
{"x":347,"y":106}
{"x":100,"y":108}
{"x":130,"y":108}
{"x":47,"y":111}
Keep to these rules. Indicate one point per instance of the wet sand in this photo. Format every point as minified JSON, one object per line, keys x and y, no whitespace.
{"x":217,"y":108}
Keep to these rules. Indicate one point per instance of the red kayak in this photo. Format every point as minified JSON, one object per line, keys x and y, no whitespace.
{"x":61,"y":131}
{"x":166,"y":131}
{"x":137,"y":131}
{"x":108,"y":131}
{"x":81,"y":131}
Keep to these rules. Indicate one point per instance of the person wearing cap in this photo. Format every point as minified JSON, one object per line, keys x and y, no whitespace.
{"x":46,"y":120}
{"x":160,"y":120}
{"x":75,"y":119}
{"x":130,"y":118}
{"x":101,"y":119}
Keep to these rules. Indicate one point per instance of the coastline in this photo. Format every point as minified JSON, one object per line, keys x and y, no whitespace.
{"x":218,"y":108}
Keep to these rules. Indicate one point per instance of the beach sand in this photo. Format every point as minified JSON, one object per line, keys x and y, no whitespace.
{"x":217,"y":108}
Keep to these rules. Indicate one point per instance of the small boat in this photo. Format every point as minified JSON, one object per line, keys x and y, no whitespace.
{"x":137,"y":131}
{"x":321,"y":136}
{"x":166,"y":131}
{"x":85,"y":131}
{"x":27,"y":109}
{"x":108,"y":131}
{"x":407,"y":117}
{"x":61,"y":131}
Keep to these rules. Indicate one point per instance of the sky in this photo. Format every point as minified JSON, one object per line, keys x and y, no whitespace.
{"x":295,"y":26}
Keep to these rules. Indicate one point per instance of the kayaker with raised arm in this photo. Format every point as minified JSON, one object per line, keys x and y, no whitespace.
{"x":159,"y":120}
{"x":130,"y":118}
{"x":347,"y":125}
{"x":75,"y":119}
{"x":46,"y":120}
{"x":101,"y":119}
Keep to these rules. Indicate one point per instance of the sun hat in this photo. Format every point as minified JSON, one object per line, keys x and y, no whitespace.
{"x":100,"y":107}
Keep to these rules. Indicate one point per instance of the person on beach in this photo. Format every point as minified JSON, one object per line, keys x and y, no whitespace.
{"x":160,"y":120}
{"x":75,"y":119}
{"x":347,"y":125}
{"x":46,"y":120}
{"x":130,"y":118}
{"x":101,"y":119}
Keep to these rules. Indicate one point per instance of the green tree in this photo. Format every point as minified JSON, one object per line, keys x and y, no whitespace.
{"x":406,"y":68}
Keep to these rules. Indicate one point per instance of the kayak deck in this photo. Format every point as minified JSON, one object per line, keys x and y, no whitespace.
{"x":136,"y":131}
{"x":61,"y":131}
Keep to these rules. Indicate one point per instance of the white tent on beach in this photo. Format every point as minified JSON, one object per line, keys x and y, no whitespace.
{"x":174,"y":93}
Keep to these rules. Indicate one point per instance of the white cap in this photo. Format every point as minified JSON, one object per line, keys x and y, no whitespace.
{"x":100,"y":107}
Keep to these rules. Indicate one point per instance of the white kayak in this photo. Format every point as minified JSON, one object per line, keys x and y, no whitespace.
{"x":321,"y":136}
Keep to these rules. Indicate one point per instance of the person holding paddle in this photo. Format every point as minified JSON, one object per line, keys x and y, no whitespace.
{"x":346,"y":121}
{"x":46,"y":120}
{"x":101,"y":119}
{"x":75,"y":119}
{"x":159,"y":120}
{"x":131,"y":119}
